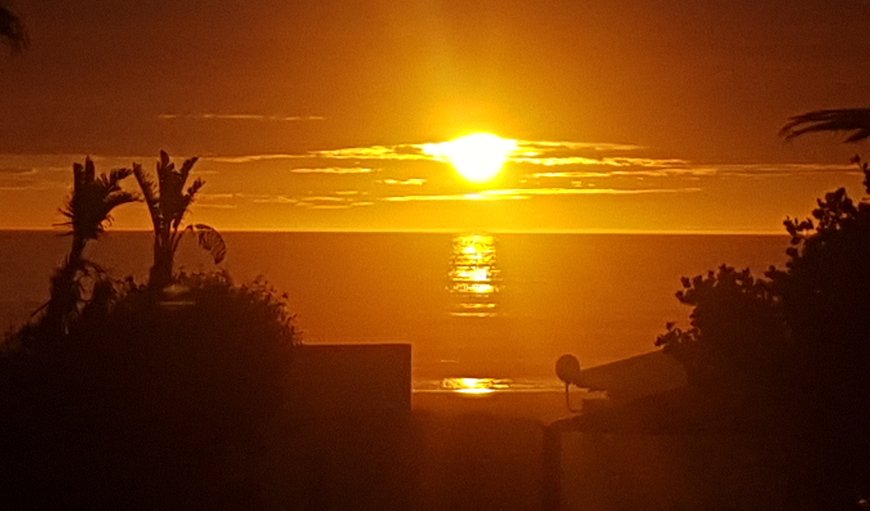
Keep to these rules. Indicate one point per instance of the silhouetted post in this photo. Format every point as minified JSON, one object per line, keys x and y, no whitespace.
{"x":552,"y":473}
{"x":568,"y":370}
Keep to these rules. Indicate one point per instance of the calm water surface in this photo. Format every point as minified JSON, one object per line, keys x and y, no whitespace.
{"x":474,"y":305}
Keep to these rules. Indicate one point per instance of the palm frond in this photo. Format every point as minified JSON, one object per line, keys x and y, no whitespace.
{"x":186,"y":167}
{"x":150,"y":193}
{"x":146,"y":184}
{"x":90,"y":170}
{"x":93,"y":199}
{"x":211,"y":241}
{"x":12,"y":30}
{"x":118,"y":175}
{"x":171,"y":205}
{"x":78,"y":177}
{"x":111,"y":183}
{"x":186,"y":200}
{"x":855,"y":120}
{"x":119,"y":198}
{"x":164,"y":168}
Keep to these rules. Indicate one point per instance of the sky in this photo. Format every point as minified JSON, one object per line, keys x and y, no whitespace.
{"x":630,"y":116}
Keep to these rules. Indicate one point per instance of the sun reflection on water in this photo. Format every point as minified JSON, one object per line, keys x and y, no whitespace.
{"x":474,"y":276}
{"x":474,"y":386}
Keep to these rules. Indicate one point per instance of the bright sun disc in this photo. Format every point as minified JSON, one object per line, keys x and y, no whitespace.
{"x":478,"y":157}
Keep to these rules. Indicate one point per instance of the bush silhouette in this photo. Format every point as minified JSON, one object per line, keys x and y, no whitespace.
{"x":800,"y":338}
{"x":145,"y":406}
{"x":122,"y":394}
{"x":738,"y":333}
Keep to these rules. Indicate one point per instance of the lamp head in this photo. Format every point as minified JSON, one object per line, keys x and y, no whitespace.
{"x":568,"y":369}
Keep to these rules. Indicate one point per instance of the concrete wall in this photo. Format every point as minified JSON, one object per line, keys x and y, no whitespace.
{"x":605,"y":471}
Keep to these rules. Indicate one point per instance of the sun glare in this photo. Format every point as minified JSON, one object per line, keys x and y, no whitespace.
{"x":478,"y":157}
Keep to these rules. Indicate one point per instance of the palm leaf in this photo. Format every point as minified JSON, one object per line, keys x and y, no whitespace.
{"x":92,"y":199}
{"x":211,"y":241}
{"x":90,"y":170}
{"x":855,"y":120}
{"x":186,"y":167}
{"x":149,"y":192}
{"x":12,"y":30}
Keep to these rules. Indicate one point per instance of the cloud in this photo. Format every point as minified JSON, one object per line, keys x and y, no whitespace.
{"x":539,"y":152}
{"x":14,"y":173}
{"x":587,"y":191}
{"x":217,"y":206}
{"x":528,"y":193}
{"x":780,"y":169}
{"x":215,"y":196}
{"x":693,"y":172}
{"x":678,"y":168}
{"x":343,"y":201}
{"x":251,"y":158}
{"x":240,"y":117}
{"x":333,"y":170}
{"x":274,"y":199}
{"x":24,"y":186}
{"x":216,"y":200}
{"x":398,"y":152}
{"x":330,"y":202}
{"x":414,"y":181}
{"x":552,"y":161}
{"x":550,"y":146}
{"x":482,"y":196}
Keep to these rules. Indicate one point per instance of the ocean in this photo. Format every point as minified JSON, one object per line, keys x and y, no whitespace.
{"x":475,"y":305}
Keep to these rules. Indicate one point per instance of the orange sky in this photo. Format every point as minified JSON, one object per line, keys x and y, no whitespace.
{"x":650,"y":116}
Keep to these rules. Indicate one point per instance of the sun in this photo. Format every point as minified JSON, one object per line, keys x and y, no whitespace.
{"x":478,"y":157}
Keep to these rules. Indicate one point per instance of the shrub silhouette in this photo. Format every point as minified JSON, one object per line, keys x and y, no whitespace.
{"x":737,"y":335}
{"x":145,"y":406}
{"x":117,"y":396}
{"x":800,"y":338}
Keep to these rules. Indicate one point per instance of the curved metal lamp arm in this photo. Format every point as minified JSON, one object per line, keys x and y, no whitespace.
{"x":568,"y":399}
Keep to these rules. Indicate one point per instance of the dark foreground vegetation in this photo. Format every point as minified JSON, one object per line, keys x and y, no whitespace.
{"x":121,"y":394}
{"x":790,"y":350}
{"x":176,"y":392}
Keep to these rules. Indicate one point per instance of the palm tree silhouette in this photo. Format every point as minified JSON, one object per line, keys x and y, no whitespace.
{"x":855,"y":120}
{"x":167,"y":202}
{"x":88,"y":211}
{"x":12,"y":31}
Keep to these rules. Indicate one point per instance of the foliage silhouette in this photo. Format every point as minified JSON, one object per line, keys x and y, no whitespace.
{"x":112,"y":399}
{"x":168,"y":202}
{"x":719,"y":350}
{"x":12,"y":30}
{"x":798,"y":339}
{"x":147,"y":406}
{"x":89,"y":211}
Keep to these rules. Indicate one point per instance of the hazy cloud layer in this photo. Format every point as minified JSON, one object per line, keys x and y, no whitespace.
{"x":240,"y":117}
{"x":545,"y":175}
{"x":528,"y":193}
{"x":333,"y":170}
